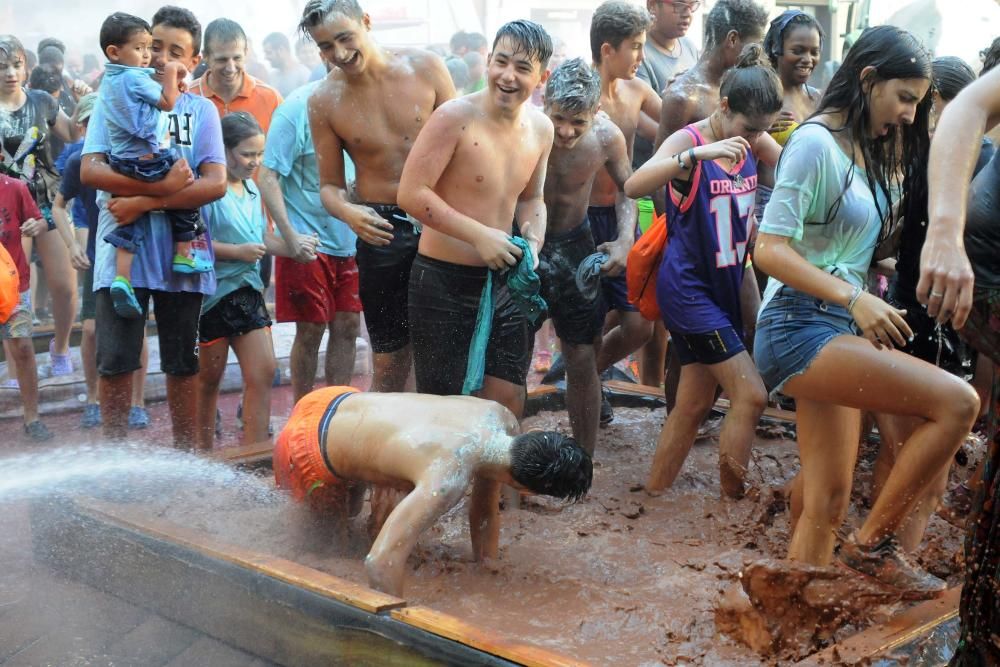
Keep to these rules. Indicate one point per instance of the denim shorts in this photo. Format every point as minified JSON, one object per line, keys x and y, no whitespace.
{"x":791,"y":330}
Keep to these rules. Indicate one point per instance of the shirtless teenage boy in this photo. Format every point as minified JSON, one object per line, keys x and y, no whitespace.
{"x":617,"y":38}
{"x":478,"y":164}
{"x":431,"y":447}
{"x":373,"y":105}
{"x":586,"y":143}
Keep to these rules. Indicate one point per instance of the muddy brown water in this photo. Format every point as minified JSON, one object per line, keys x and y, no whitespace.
{"x":619,"y":578}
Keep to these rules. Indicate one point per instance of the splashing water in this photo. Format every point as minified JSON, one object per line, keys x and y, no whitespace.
{"x":123,"y":471}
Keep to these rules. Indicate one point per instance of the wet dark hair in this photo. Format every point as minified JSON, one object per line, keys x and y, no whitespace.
{"x":950,"y":76}
{"x":47,"y":78}
{"x":119,"y":28}
{"x":784,"y":23}
{"x":458,"y":41}
{"x":51,"y":55}
{"x":752,"y":87}
{"x":744,"y":16}
{"x":990,"y":56}
{"x":236,"y":128}
{"x":614,"y":22}
{"x":182,"y":19}
{"x":552,"y":464}
{"x":528,"y":38}
{"x":223,"y":31}
{"x":574,"y":87}
{"x":10,"y":47}
{"x":894,"y":54}
{"x":52,"y":41}
{"x":317,"y":11}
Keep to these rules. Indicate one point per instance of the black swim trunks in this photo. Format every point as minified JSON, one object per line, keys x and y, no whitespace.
{"x":443,"y":305}
{"x":238,"y":313}
{"x":577,"y":319}
{"x":383,"y":277}
{"x":604,"y":228}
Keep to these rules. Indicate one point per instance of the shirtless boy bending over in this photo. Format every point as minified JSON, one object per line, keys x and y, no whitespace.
{"x":478,"y":164}
{"x":373,"y":105}
{"x":429,"y":446}
{"x":586,"y":143}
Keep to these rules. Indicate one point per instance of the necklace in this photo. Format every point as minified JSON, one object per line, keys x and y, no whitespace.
{"x":737,"y":180}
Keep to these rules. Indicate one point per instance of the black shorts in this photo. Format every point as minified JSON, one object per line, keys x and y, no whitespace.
{"x":577,"y":319}
{"x":711,"y":347}
{"x":383,"y":281}
{"x":444,"y":303}
{"x":604,"y":228}
{"x":119,"y":340}
{"x":238,"y":313}
{"x":939,"y":346}
{"x":88,"y":300}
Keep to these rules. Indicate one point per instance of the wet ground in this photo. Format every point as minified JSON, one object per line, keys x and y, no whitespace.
{"x":620,"y":578}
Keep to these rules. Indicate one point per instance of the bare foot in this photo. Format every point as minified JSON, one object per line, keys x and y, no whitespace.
{"x":731,"y":477}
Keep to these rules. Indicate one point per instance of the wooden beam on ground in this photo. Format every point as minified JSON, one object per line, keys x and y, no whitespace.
{"x":256,"y":452}
{"x":905,"y":627}
{"x":301,"y":576}
{"x":458,"y":630}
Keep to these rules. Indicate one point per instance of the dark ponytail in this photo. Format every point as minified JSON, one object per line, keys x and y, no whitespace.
{"x":237,"y":127}
{"x":752,"y":87}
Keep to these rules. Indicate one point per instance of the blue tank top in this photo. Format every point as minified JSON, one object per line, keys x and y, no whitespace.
{"x":698,"y":285}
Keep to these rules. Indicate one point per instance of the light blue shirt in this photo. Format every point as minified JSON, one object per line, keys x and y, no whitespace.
{"x":129,"y":97}
{"x":235,"y":219}
{"x":196,"y":135}
{"x":810,"y":179}
{"x":289,"y":152}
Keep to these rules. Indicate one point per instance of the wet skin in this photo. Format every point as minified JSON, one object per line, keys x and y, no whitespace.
{"x":432,"y":447}
{"x":480,"y":161}
{"x":373,"y":104}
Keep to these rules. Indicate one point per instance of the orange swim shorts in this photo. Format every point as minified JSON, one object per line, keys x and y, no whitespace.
{"x":299,"y":464}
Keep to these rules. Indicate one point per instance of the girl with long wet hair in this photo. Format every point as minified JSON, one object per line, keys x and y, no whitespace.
{"x":828,"y":343}
{"x":710,"y":171}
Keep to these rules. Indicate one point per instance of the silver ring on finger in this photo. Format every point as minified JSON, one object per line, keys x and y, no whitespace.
{"x":936,"y":295}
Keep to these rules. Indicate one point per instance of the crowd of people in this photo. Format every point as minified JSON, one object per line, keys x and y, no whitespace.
{"x":455,"y":202}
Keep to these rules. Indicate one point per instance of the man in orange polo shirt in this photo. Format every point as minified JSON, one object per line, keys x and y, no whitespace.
{"x":226,"y":82}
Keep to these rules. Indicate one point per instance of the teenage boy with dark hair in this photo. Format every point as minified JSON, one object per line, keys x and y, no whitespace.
{"x":372,"y":105}
{"x":478,"y":165}
{"x":617,"y":38}
{"x":585,"y":144}
{"x":430,"y":447}
{"x":196,"y":135}
{"x":132,"y":102}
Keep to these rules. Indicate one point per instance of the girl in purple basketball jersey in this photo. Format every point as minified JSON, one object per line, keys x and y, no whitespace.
{"x":710,"y":172}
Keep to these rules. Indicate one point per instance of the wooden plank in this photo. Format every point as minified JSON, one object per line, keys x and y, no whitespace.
{"x":497,"y":644}
{"x":623,"y":387}
{"x":252,"y":453}
{"x":905,"y":627}
{"x":284,"y":570}
{"x":542,"y":390}
{"x":723,"y":405}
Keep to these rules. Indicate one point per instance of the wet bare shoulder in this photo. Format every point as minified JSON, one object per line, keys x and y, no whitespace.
{"x":609,"y":136}
{"x":541,"y":124}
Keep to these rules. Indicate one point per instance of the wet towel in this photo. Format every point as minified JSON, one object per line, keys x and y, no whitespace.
{"x":588,"y":275}
{"x":524,"y":285}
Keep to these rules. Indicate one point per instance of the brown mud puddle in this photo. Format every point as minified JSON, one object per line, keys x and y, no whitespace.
{"x":620,"y":578}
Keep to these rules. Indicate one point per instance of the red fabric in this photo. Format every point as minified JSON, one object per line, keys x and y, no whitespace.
{"x":16,"y":207}
{"x":316,"y":291}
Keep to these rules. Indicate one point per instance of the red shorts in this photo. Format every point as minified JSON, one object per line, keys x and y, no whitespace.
{"x":316,"y":291}
{"x":298,"y":461}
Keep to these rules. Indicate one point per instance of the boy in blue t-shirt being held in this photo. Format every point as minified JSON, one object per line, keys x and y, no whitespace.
{"x":133,"y":104}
